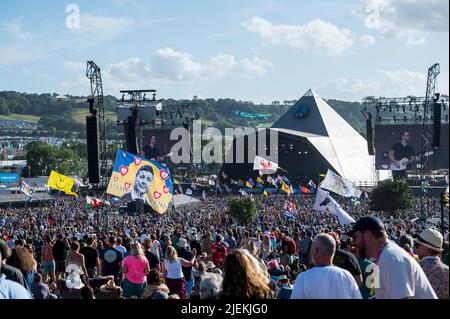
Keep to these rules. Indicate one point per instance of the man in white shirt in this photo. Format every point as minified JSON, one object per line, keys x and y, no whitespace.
{"x":324,"y":280}
{"x":397,"y":274}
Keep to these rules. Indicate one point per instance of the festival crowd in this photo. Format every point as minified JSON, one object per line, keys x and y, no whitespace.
{"x":57,"y":251}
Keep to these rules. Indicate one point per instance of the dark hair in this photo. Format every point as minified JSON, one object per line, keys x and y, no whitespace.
{"x":112,"y":240}
{"x":146,"y":168}
{"x":74,"y":245}
{"x":119,"y":241}
{"x":153,"y":277}
{"x":90,"y":241}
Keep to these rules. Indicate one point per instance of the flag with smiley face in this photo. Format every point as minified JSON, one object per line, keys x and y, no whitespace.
{"x":139,"y":179}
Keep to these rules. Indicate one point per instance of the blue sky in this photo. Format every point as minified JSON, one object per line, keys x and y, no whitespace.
{"x":250,"y":50}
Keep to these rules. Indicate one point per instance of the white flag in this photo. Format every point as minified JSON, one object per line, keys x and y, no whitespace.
{"x":204,"y":195}
{"x":325,"y":203}
{"x":243,"y":193}
{"x":26,"y":189}
{"x":264,"y":166}
{"x":339,"y":185}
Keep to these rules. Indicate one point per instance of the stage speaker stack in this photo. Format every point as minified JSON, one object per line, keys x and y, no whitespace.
{"x":370,"y":136}
{"x":130,"y":135}
{"x":436,"y":125}
{"x":92,"y":149}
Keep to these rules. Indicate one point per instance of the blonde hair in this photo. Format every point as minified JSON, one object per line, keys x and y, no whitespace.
{"x":27,"y":262}
{"x":245,"y":277}
{"x":147,"y":243}
{"x":136,"y":250}
{"x":171,"y":254}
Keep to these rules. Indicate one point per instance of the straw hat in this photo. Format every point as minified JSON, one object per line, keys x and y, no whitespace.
{"x":210,"y":265}
{"x":430,"y":238}
{"x":109,"y":286}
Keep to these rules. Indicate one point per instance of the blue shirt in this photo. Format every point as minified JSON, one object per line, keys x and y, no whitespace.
{"x":12,"y":290}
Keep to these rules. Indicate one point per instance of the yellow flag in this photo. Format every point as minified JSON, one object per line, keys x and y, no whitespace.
{"x":247,"y":183}
{"x":61,"y":183}
{"x":265,"y":193}
{"x":259,"y":180}
{"x":286,"y":188}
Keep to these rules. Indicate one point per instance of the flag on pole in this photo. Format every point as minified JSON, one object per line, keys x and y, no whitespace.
{"x":356,"y":201}
{"x":312,"y":184}
{"x":176,"y":181}
{"x":27,"y":189}
{"x":264,"y":166}
{"x":265,"y":193}
{"x":189,"y":192}
{"x":248,"y":184}
{"x":339,"y":185}
{"x":260,"y":180}
{"x":62,"y":183}
{"x":286,"y":188}
{"x":225,"y":176}
{"x":204,"y":195}
{"x":305,"y":190}
{"x":243,"y":193}
{"x":325,"y":203}
{"x":92,"y":202}
{"x":193,"y":186}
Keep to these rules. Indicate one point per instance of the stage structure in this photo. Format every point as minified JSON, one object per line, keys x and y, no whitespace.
{"x":136,"y":112}
{"x":312,"y":138}
{"x":97,"y":109}
{"x":425,"y":119}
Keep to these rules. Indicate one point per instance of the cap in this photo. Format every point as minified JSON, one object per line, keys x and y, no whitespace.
{"x":370,"y":223}
{"x":4,"y":249}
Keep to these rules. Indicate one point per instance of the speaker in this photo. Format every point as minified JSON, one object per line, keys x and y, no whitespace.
{"x":130,"y":135}
{"x":370,"y":136}
{"x":92,"y":149}
{"x":135,"y":208}
{"x":437,"y":125}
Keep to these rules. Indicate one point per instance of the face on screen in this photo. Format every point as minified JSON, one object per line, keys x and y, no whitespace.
{"x":153,"y":140}
{"x":143,"y":181}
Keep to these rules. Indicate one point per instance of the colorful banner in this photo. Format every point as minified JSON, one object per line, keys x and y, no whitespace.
{"x":264,"y":166}
{"x":62,"y":183}
{"x":139,"y":179}
{"x":27,"y":189}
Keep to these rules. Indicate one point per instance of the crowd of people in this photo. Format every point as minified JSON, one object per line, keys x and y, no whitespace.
{"x":59,"y":251}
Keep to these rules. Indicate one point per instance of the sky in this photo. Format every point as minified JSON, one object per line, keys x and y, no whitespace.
{"x":251,"y":50}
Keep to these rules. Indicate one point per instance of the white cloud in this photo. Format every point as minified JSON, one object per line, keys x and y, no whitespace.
{"x":14,"y":28}
{"x":317,"y":37}
{"x":390,"y":83}
{"x":367,"y":41}
{"x":167,"y":65}
{"x":100,"y":28}
{"x":410,"y":20}
{"x":180,"y":66}
{"x":255,"y":67}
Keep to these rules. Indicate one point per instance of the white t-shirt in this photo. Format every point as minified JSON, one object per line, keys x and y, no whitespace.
{"x":144,"y":237}
{"x":400,"y":276}
{"x":122,"y":249}
{"x":329,"y":282}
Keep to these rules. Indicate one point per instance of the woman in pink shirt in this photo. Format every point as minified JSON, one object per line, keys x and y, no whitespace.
{"x":135,"y":268}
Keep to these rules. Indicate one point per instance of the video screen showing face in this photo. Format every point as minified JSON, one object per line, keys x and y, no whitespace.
{"x":399,"y":148}
{"x":157,"y":146}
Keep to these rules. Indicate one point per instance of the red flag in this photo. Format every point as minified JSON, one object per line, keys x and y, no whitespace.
{"x":305,"y":190}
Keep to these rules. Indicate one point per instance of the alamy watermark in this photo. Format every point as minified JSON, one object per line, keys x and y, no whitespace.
{"x":73,"y":17}
{"x":209,"y":146}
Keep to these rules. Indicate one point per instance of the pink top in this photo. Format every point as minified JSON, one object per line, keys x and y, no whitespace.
{"x":136,"y":269}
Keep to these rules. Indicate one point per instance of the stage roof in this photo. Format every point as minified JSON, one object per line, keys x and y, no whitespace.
{"x":336,"y":140}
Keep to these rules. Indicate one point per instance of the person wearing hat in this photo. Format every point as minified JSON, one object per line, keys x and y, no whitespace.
{"x":429,"y":248}
{"x":109,"y":291}
{"x":284,"y":288}
{"x":10,"y":272}
{"x":397,"y":275}
{"x":184,"y":251}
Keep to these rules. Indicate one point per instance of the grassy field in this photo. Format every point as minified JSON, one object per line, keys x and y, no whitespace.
{"x":20,"y":117}
{"x":79,"y":116}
